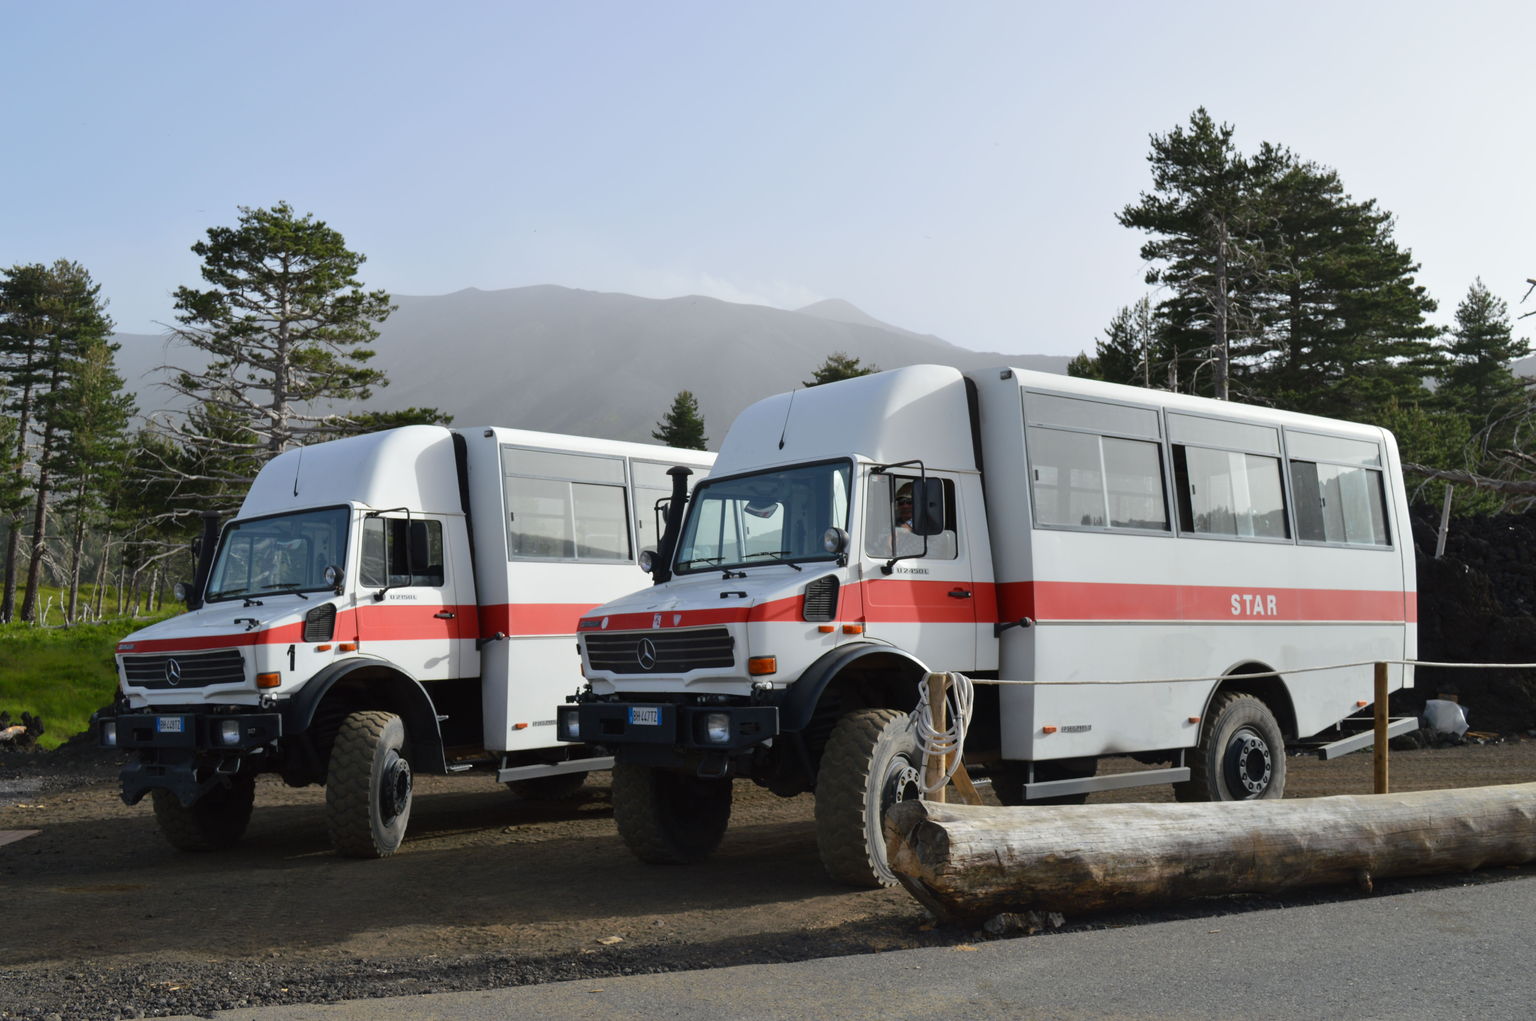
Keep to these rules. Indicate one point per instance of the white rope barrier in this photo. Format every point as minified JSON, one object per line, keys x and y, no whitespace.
{"x":1265,"y":673}
{"x":959,"y":696}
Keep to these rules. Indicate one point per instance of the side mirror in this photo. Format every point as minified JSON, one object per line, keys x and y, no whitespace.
{"x":927,"y":506}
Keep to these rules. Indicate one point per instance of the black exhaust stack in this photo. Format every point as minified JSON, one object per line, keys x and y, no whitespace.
{"x":662,"y":569}
{"x":206,"y":545}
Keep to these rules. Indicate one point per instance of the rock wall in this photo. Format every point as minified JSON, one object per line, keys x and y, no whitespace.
{"x":1476,"y":605}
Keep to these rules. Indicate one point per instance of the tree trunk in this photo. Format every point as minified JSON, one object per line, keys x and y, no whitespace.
{"x":968,"y":864}
{"x":12,"y":552}
{"x":76,"y":550}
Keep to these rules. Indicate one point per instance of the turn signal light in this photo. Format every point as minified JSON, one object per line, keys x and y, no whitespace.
{"x":347,"y":647}
{"x":853,"y":629}
{"x":268,"y":680}
{"x":322,"y":648}
{"x":826,"y":629}
{"x":759,"y":665}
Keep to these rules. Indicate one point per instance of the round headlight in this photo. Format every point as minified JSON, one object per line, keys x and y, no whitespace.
{"x":647,"y":560}
{"x":180,"y":591}
{"x":834,"y":540}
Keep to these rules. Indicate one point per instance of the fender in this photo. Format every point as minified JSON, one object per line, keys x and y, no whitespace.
{"x":407,"y":697}
{"x":802,"y":697}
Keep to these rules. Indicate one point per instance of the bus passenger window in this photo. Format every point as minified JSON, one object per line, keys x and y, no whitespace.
{"x":1228,"y":493}
{"x":1338,"y":503}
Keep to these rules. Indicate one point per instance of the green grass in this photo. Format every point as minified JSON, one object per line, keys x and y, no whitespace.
{"x":60,"y":675}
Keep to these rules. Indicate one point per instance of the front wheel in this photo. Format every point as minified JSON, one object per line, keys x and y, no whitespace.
{"x":1241,"y":755}
{"x":667,"y":817}
{"x":368,"y":786}
{"x":215,"y":821}
{"x":872,"y":761}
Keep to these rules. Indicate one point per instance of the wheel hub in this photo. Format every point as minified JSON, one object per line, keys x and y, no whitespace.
{"x":394,"y":787}
{"x":1249,"y":765}
{"x":902,"y":783}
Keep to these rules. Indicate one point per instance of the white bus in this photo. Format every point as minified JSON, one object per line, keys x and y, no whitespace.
{"x":383,"y":605}
{"x":1195,"y":583}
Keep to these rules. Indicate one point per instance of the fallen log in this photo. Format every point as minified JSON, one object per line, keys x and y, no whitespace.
{"x":970,"y":863}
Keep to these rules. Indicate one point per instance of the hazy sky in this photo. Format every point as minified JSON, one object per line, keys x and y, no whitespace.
{"x":950,"y":167}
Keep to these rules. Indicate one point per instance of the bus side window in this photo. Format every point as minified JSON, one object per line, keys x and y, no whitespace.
{"x":880,"y":501}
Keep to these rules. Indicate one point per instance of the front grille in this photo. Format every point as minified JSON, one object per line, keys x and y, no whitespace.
{"x":185,"y":669}
{"x":661,"y":652}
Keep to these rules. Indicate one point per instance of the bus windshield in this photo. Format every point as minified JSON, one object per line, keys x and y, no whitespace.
{"x":770,"y":517}
{"x":283,"y":553}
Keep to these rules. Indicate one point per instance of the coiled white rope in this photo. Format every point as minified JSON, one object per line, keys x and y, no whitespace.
{"x":960,"y":697}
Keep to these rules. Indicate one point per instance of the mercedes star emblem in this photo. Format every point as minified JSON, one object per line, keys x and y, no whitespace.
{"x":646,"y":654}
{"x":172,"y":672}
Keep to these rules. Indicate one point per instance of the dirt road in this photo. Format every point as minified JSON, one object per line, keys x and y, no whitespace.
{"x":103,"y":919}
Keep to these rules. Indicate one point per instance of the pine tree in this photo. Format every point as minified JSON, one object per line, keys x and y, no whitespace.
{"x":53,"y":316}
{"x":287,"y":324}
{"x":94,"y":454}
{"x":682,"y":427}
{"x":839,"y":365}
{"x":1476,"y":379}
{"x":1205,"y":220}
{"x":1342,"y":321}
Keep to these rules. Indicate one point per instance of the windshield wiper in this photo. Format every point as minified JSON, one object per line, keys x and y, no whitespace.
{"x":288,"y":587}
{"x":777,"y":555}
{"x":701,"y":560}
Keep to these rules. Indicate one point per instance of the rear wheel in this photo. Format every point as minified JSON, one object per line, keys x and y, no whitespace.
{"x":1241,"y":755}
{"x":872,"y":761}
{"x":215,"y":821}
{"x":668,"y":817}
{"x":368,"y":786}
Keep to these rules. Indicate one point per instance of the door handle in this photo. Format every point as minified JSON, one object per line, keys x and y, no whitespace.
{"x":959,"y":593}
{"x":445,"y":615}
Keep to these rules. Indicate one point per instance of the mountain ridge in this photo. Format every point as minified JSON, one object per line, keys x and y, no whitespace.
{"x":600,"y":363}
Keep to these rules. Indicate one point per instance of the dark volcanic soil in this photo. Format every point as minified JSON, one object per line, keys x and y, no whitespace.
{"x":104,"y":920}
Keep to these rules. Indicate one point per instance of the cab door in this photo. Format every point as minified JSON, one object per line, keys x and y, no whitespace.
{"x":920,"y":593}
{"x":409,"y":607}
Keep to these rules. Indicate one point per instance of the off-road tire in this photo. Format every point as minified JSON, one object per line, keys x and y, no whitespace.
{"x":368,"y":786}
{"x":215,"y":821}
{"x":667,"y":817}
{"x":872,"y":761}
{"x":1008,"y":781}
{"x":556,"y":787}
{"x":1241,"y":755}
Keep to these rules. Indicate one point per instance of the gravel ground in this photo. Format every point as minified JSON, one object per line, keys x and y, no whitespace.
{"x":104,"y":920}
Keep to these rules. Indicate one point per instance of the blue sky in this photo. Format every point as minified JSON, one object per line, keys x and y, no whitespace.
{"x":952,"y":168}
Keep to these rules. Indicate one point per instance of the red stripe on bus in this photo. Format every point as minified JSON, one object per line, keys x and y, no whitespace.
{"x":1071,"y":600}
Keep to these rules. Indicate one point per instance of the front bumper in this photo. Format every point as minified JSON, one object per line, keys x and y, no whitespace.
{"x":183,"y":751}
{"x":634,"y":728}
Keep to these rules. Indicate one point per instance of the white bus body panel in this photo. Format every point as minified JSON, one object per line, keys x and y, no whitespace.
{"x":1117,"y":607}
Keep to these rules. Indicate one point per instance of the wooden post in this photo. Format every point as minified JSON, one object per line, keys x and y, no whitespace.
{"x":1380,"y":751}
{"x":1445,"y":523}
{"x":938,"y":707}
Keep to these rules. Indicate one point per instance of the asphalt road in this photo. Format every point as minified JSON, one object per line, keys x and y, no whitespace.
{"x":1450,"y":952}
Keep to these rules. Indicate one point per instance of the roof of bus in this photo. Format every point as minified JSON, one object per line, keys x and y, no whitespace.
{"x":411,"y":466}
{"x":886,"y":417}
{"x":1237,"y":410}
{"x":407,"y":467}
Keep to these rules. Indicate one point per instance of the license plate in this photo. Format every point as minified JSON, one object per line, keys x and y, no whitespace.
{"x":170,"y":724}
{"x":644,"y":716}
